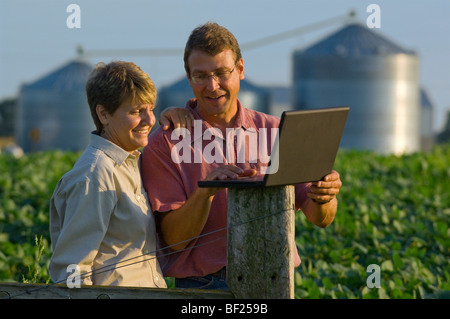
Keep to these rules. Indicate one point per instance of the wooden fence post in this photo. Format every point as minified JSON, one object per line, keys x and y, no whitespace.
{"x":261,"y":242}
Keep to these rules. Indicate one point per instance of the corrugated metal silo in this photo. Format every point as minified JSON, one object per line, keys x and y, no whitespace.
{"x":53,"y":112}
{"x":377,"y":78}
{"x":254,"y":97}
{"x":178,"y":93}
{"x":426,"y":122}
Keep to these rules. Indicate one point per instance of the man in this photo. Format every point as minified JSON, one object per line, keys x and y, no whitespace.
{"x":192,"y":220}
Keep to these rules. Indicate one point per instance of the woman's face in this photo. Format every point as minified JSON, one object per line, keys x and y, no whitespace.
{"x":129,"y":126}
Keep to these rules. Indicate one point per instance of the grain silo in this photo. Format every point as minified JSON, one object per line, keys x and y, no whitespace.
{"x":178,"y":93}
{"x":427,"y":135}
{"x":376,"y":77}
{"x":53,"y":112}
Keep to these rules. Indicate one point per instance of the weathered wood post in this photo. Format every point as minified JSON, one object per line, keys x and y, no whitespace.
{"x":261,"y":242}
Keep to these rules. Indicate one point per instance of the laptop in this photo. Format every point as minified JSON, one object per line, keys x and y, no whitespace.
{"x":304,"y":151}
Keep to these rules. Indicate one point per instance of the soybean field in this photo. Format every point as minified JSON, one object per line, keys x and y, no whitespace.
{"x":390,"y":237}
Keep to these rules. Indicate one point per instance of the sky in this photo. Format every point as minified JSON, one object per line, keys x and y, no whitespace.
{"x":36,"y":39}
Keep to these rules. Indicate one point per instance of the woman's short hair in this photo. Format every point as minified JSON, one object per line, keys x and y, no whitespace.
{"x":113,"y":83}
{"x":212,"y":39}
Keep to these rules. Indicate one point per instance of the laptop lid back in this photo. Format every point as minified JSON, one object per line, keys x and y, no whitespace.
{"x":307,"y":145}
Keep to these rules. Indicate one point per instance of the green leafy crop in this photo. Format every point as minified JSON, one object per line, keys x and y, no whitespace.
{"x":393,"y":212}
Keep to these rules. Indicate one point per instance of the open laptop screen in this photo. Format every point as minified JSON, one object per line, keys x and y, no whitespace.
{"x":305,"y":150}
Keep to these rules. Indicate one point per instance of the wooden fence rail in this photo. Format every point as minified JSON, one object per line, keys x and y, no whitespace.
{"x":43,"y":291}
{"x":260,"y":256}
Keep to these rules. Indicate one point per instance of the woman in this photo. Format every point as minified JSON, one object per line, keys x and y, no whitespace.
{"x":100,"y":218}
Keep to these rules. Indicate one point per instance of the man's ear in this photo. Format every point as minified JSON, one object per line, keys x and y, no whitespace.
{"x":240,"y":67}
{"x":102,"y":114}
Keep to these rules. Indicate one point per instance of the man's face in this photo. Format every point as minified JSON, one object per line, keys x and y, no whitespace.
{"x":217,"y":98}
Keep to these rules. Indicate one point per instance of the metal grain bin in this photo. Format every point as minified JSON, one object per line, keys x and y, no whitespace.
{"x":377,"y":78}
{"x":427,"y":135}
{"x":178,"y":93}
{"x":53,"y":112}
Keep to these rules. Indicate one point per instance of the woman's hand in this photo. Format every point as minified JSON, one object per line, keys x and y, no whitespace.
{"x":179,"y":117}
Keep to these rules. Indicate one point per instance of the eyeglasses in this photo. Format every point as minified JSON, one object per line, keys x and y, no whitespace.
{"x":220,"y":76}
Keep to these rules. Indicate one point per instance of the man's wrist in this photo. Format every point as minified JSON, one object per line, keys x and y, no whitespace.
{"x":322,"y":202}
{"x":317,"y":202}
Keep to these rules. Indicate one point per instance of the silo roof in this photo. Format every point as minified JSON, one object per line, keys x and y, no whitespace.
{"x":247,"y":85}
{"x":355,"y":40}
{"x":425,"y":99}
{"x":180,"y":85}
{"x":70,"y":77}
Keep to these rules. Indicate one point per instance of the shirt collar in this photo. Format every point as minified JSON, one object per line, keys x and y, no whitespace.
{"x":244,"y":119}
{"x":115,"y":152}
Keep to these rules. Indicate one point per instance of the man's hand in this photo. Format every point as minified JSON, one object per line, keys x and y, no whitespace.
{"x":179,"y":117}
{"x":227,"y":171}
{"x":327,"y":189}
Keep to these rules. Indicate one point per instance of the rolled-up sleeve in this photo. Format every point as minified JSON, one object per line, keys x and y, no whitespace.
{"x":80,"y":215}
{"x":162,"y":177}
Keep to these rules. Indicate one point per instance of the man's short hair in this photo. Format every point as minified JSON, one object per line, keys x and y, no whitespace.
{"x":212,"y":39}
{"x":113,"y":83}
